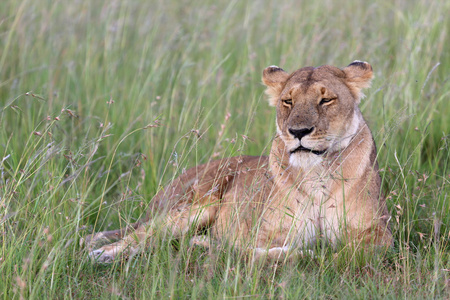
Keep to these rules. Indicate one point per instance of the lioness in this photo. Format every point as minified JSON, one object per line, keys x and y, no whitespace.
{"x":320,"y":180}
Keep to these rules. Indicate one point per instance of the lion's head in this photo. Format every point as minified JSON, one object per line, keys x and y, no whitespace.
{"x":317,"y":108}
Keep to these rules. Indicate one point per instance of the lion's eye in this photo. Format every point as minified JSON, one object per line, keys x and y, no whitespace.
{"x":287,"y":102}
{"x":326,"y":100}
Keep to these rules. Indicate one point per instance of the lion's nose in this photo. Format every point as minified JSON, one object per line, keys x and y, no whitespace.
{"x":300,"y":133}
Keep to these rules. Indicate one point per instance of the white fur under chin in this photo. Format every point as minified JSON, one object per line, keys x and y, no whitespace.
{"x":304,"y":160}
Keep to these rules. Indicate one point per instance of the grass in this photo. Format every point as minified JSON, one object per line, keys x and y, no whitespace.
{"x":103,"y":102}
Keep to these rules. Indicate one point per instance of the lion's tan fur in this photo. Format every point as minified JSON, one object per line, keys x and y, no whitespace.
{"x":320,"y":180}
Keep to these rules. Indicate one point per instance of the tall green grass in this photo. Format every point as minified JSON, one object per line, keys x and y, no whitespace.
{"x":103,"y":102}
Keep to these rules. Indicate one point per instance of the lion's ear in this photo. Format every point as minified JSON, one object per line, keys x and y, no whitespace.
{"x":359,"y":75}
{"x":274,"y":78}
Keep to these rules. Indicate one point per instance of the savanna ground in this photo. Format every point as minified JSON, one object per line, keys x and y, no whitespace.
{"x":104,"y":102}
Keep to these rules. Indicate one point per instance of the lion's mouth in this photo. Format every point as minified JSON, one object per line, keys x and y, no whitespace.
{"x":304,"y":149}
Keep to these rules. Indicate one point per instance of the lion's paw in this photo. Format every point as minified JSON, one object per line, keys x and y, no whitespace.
{"x":94,"y":241}
{"x":102,"y":256}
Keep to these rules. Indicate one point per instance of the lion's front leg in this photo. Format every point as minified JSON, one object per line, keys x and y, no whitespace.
{"x":127,"y":246}
{"x":96,"y":240}
{"x":175,"y":224}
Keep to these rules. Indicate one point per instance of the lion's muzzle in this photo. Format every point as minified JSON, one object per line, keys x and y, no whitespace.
{"x":299,"y":134}
{"x":304,"y":149}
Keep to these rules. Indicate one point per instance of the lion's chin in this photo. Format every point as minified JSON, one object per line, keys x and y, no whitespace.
{"x":304,"y":160}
